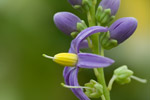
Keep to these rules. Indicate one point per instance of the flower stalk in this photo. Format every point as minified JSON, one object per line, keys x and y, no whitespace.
{"x":99,"y":72}
{"x":111,"y":82}
{"x":123,"y":75}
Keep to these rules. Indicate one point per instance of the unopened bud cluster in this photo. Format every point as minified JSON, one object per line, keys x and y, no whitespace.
{"x":95,"y":89}
{"x":123,"y":75}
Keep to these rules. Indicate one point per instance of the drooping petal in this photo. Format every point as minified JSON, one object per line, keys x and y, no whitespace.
{"x":75,"y":44}
{"x":66,"y":74}
{"x":70,"y":76}
{"x":75,"y":2}
{"x":123,"y":28}
{"x":66,"y":22}
{"x":73,"y":81}
{"x":87,"y":60}
{"x":112,"y":4}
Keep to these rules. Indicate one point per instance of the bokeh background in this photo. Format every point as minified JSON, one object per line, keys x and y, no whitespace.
{"x":27,"y":31}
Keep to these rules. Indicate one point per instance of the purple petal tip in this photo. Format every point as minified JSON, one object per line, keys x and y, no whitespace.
{"x":87,"y":60}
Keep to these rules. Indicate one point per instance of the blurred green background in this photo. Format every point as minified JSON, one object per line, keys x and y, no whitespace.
{"x":27,"y":31}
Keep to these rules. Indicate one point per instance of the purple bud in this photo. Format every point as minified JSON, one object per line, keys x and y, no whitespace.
{"x":66,"y":22}
{"x":123,"y":29}
{"x":75,"y":2}
{"x":112,"y":4}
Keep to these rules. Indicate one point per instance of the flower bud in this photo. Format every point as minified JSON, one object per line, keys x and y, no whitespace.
{"x":75,"y":2}
{"x":95,"y":89}
{"x":123,"y":74}
{"x":110,"y":4}
{"x":66,"y":22}
{"x":123,"y":29}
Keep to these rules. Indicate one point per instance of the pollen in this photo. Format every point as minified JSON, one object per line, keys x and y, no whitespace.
{"x":66,"y":59}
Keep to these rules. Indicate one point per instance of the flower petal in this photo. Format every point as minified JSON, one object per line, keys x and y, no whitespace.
{"x":87,"y":60}
{"x":73,"y":81}
{"x":66,"y":74}
{"x":75,"y":44}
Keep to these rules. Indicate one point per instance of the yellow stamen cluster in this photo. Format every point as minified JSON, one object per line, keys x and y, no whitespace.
{"x":65,"y":59}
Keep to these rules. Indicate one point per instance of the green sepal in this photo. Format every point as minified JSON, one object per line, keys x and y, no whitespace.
{"x":123,"y":81}
{"x":98,"y":13}
{"x":88,"y":4}
{"x":85,"y":6}
{"x":103,"y":16}
{"x":77,"y":6}
{"x":81,"y":26}
{"x":106,"y":42}
{"x":95,"y":89}
{"x":94,"y":2}
{"x":123,"y":75}
{"x":112,"y":18}
{"x":74,"y":34}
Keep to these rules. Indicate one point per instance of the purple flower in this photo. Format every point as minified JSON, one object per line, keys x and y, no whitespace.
{"x":112,"y":4}
{"x":66,"y":22}
{"x":123,"y":29}
{"x":85,"y":60}
{"x":75,"y":2}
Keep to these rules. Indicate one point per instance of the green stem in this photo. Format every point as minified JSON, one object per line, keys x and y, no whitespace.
{"x":102,"y":52}
{"x":111,"y":82}
{"x":94,"y":37}
{"x":101,"y":80}
{"x":99,"y":73}
{"x":103,"y":97}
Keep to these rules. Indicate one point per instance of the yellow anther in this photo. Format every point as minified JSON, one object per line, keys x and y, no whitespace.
{"x":66,"y":59}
